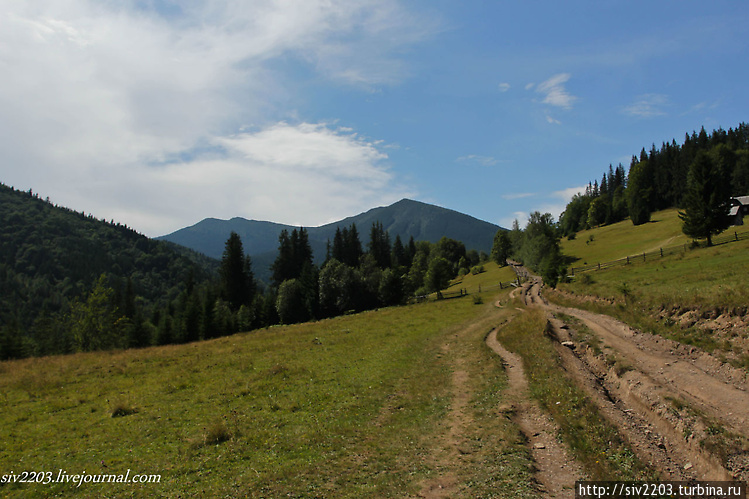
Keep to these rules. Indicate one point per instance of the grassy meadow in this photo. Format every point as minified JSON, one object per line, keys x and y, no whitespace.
{"x":348,"y":407}
{"x":710,"y":281}
{"x":622,"y":239}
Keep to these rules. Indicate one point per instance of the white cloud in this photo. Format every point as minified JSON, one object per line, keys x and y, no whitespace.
{"x":481,"y":160}
{"x":504,"y":87}
{"x":647,"y":106}
{"x":567,"y":194}
{"x":558,"y":200}
{"x":554,"y":92}
{"x":519,"y":195}
{"x":95,"y":92}
{"x":552,"y":121}
{"x":521,"y":216}
{"x":304,"y":174}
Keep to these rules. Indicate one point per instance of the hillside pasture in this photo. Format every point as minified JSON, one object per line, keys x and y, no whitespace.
{"x":622,"y":239}
{"x":696,"y":296}
{"x":347,"y":407}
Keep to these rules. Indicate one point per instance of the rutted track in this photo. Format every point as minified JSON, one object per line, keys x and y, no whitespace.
{"x":556,"y":470}
{"x":643,"y":400}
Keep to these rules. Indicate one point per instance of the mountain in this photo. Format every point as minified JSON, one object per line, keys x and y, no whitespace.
{"x":406,"y":218}
{"x":51,"y":256}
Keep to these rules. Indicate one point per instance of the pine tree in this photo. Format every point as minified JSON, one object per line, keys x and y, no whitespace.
{"x":639,"y":192}
{"x":399,"y":256}
{"x":706,"y":202}
{"x":282,"y":266}
{"x":379,"y":245}
{"x":237,"y":280}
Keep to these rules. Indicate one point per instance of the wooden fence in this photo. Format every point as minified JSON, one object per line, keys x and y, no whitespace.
{"x":660,"y":253}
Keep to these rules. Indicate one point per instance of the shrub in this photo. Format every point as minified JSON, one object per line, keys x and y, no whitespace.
{"x":120,"y":409}
{"x":217,"y":433}
{"x":477,"y":269}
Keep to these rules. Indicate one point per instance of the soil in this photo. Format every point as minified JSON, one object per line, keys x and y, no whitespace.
{"x":556,"y":470}
{"x":681,"y":409}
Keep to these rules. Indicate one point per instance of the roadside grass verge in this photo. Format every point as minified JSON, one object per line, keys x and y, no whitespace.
{"x":595,"y":442}
{"x":347,"y":407}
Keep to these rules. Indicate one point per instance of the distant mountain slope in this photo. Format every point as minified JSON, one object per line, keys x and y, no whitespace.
{"x":406,"y":218}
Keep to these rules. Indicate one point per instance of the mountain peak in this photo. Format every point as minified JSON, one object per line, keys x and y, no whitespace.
{"x":406,"y":218}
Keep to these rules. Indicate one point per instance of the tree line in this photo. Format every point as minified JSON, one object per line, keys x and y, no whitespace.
{"x":72,"y":283}
{"x":661,"y":179}
{"x":699,"y":177}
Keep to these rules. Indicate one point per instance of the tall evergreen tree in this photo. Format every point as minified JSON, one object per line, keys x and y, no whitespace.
{"x":282,"y":266}
{"x":639,"y":191}
{"x":706,"y":203}
{"x":399,"y":255}
{"x":379,"y":245}
{"x":353,"y":247}
{"x":237,"y":279}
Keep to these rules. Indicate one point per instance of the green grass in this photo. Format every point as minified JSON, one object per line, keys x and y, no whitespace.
{"x":623,"y":239}
{"x":348,"y":407}
{"x":485,"y":281}
{"x":709,"y":281}
{"x":702,"y":278}
{"x":594,"y":441}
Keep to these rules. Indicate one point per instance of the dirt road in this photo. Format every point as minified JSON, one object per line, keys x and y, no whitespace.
{"x":681,"y":409}
{"x":556,"y":469}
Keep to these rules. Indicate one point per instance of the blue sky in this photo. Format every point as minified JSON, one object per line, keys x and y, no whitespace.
{"x":158,"y":114}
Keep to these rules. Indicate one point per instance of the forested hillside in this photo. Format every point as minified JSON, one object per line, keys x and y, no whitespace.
{"x":70,"y":282}
{"x":658,"y":179}
{"x":53,"y":258}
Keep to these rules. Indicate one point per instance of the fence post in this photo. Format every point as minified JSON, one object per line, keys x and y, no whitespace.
{"x":573,"y":271}
{"x":643,"y":257}
{"x":661,"y":252}
{"x":735,"y":235}
{"x":627,"y":259}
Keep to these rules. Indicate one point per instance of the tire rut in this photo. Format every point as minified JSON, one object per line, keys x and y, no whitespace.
{"x":640,"y":400}
{"x":556,"y":469}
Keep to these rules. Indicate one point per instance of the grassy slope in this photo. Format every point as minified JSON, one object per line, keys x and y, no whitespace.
{"x":486,"y":281}
{"x":622,"y":239}
{"x":702,"y":279}
{"x":348,"y":407}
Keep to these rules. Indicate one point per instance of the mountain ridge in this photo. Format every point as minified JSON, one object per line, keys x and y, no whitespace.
{"x":405,"y":218}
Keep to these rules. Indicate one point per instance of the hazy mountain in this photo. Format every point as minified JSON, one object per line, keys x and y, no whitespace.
{"x":406,"y":218}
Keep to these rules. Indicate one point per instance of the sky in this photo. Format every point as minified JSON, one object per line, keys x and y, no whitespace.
{"x":158,"y":114}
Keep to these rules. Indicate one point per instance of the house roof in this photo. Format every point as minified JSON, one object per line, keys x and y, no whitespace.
{"x":744,"y":200}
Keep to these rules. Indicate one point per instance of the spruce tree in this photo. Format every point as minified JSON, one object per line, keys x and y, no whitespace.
{"x":237,"y":280}
{"x":639,"y":192}
{"x":707,"y":199}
